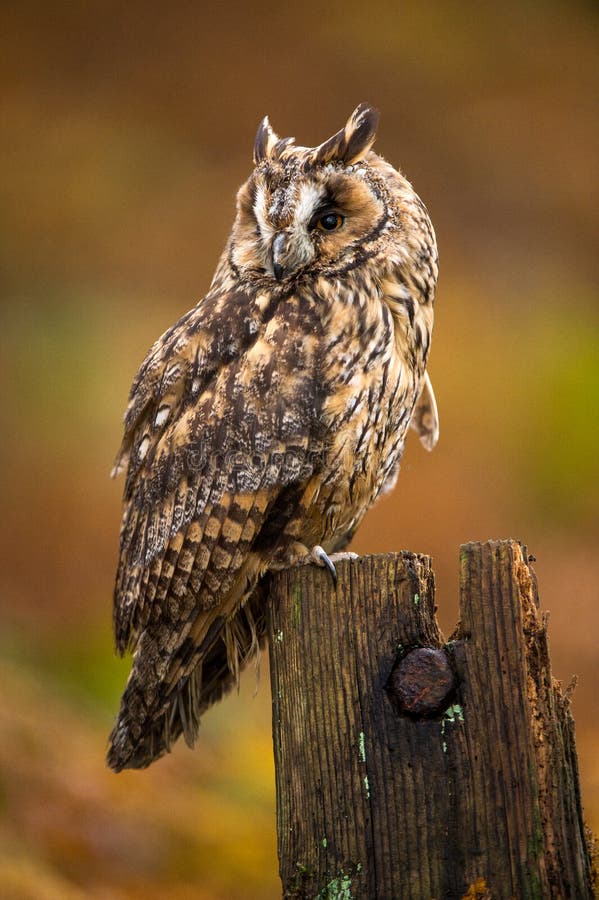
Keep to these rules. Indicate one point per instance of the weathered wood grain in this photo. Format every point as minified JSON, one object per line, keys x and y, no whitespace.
{"x":479,"y":798}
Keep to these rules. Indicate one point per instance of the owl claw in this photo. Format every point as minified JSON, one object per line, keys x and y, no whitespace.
{"x":321,"y":558}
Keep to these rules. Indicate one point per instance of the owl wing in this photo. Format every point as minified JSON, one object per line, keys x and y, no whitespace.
{"x":425,"y":419}
{"x":221,"y":422}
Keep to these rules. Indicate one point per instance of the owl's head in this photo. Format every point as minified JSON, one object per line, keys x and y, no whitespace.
{"x":326,"y":209}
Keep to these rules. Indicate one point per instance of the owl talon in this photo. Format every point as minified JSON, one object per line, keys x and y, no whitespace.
{"x":321,"y":558}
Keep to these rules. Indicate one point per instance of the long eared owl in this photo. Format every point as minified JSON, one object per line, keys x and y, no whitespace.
{"x":268,"y":419}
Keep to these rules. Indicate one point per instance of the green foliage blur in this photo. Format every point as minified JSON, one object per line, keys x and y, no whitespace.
{"x":126,"y":129}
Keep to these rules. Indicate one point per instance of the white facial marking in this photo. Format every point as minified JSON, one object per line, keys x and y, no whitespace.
{"x":309,"y":197}
{"x":261,"y":213}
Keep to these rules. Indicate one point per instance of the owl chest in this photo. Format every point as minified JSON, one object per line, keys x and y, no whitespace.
{"x":369,"y":412}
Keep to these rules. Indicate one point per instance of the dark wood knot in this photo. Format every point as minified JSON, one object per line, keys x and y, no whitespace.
{"x":422,"y":682}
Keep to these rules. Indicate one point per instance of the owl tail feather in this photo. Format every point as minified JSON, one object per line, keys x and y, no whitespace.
{"x":142,"y":735}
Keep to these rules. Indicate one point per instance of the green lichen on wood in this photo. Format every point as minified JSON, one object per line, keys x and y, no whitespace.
{"x":362,"y":747}
{"x":298,"y":883}
{"x":296,"y":597}
{"x":453,"y":713}
{"x":464,"y":561}
{"x":337,"y":889}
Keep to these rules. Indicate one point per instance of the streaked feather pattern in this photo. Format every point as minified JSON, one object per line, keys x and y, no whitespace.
{"x":267,"y":419}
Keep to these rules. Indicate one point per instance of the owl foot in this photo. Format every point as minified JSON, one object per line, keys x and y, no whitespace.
{"x":321,"y":558}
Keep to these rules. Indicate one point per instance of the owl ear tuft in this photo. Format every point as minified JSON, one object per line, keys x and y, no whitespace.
{"x":353,"y":142}
{"x":360,"y":132}
{"x":265,"y":141}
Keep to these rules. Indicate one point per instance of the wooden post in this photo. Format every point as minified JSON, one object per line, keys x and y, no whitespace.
{"x":411,"y":774}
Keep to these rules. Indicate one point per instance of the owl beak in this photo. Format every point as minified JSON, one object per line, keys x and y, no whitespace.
{"x":278,"y":252}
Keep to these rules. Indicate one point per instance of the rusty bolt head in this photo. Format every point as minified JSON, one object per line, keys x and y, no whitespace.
{"x":422,"y":682}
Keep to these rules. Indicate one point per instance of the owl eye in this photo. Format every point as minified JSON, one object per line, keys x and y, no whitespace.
{"x":330,"y":221}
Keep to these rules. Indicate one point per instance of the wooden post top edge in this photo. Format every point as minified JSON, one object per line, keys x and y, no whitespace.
{"x":494,"y":544}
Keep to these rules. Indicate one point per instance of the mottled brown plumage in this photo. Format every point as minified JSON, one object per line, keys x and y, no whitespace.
{"x":268,"y":419}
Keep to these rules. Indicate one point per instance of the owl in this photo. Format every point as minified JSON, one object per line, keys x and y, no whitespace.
{"x":268,"y":419}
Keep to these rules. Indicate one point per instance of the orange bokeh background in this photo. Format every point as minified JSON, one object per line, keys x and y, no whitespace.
{"x":126,"y":131}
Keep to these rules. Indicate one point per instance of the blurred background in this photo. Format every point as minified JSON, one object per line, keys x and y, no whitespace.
{"x":126,"y":130}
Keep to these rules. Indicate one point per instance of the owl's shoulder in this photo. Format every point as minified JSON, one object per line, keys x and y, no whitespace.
{"x":237,"y":357}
